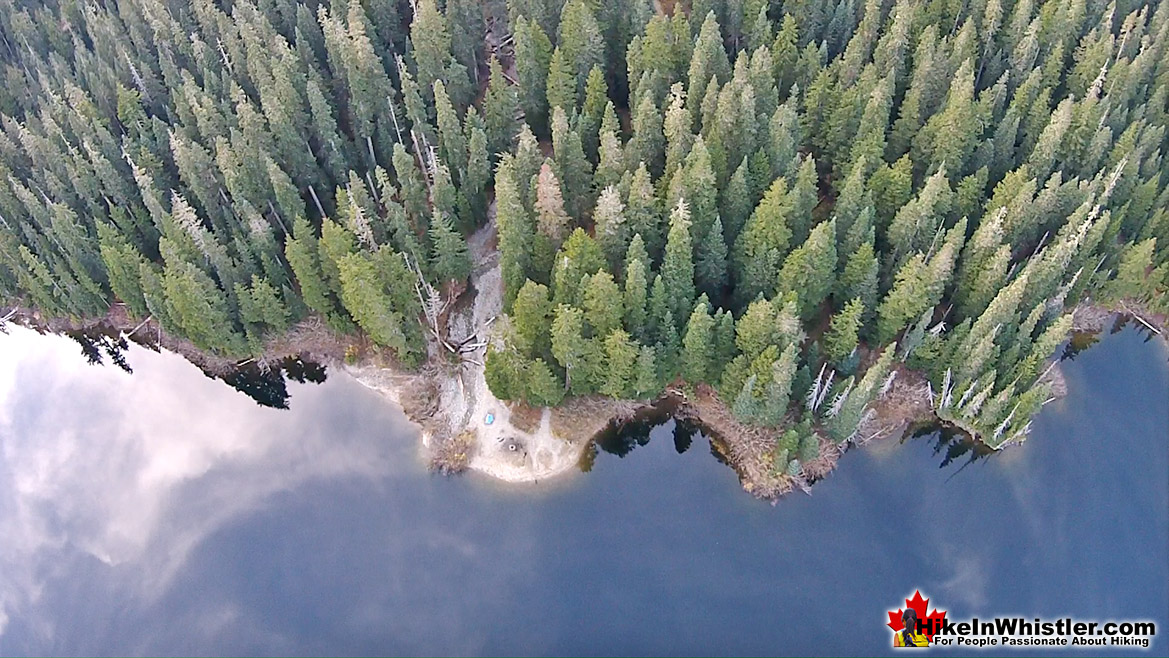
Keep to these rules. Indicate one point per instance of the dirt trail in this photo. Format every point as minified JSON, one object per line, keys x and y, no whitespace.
{"x":458,"y":425}
{"x":501,"y":449}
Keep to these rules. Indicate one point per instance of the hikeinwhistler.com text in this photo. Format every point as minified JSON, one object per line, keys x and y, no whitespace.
{"x":1019,"y":632}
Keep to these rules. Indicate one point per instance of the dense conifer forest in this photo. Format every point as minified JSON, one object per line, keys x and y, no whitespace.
{"x":781,"y":200}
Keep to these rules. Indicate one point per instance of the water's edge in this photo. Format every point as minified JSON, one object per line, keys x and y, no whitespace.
{"x":451,"y":410}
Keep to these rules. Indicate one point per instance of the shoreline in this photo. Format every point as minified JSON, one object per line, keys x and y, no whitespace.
{"x":450,"y":403}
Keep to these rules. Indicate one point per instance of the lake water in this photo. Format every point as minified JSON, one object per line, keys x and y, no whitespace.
{"x":162,"y":512}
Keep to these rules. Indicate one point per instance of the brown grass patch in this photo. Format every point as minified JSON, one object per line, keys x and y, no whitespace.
{"x":819,"y":468}
{"x":906,"y":402}
{"x":419,"y":400}
{"x":453,"y":454}
{"x":582,"y":418}
{"x":525,"y":417}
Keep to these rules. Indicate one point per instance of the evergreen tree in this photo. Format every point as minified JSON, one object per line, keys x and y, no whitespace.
{"x":710,"y":265}
{"x":761,"y":247}
{"x":657,"y":310}
{"x":917,"y":222}
{"x":197,"y":306}
{"x":123,"y":264}
{"x":516,"y":231}
{"x":648,"y":142}
{"x":572,"y":164}
{"x":543,"y":388}
{"x":777,"y":392}
{"x":261,"y":310}
{"x":784,"y":137}
{"x":737,"y":203}
{"x":468,"y":30}
{"x":645,"y":375}
{"x":431,"y":39}
{"x":531,"y":314}
{"x":449,"y":258}
{"x":709,"y":61}
{"x":611,"y":230}
{"x":551,"y":219}
{"x":668,"y":347}
{"x":803,"y":197}
{"x":891,"y":187}
{"x":580,"y":256}
{"x":696,"y":182}
{"x":601,"y":299}
{"x":859,"y":280}
{"x":452,"y":141}
{"x":841,"y":339}
{"x":678,"y":263}
{"x":580,"y":40}
{"x":636,"y":284}
{"x":336,"y":242}
{"x":413,"y":188}
{"x":785,"y":53}
{"x":478,"y":173}
{"x":643,"y":213}
{"x":561,"y":83}
{"x":507,"y":375}
{"x":843,"y":425}
{"x":949,"y":137}
{"x":622,"y":355}
{"x":533,"y":55}
{"x":596,"y":97}
{"x":758,"y":328}
{"x":611,"y":155}
{"x":810,"y":270}
{"x":907,"y":299}
{"x":1047,"y":147}
{"x":697,"y":346}
{"x":303,"y":256}
{"x":676,"y":126}
{"x":372,"y":291}
{"x":809,"y":448}
{"x":1132,"y":273}
{"x":500,"y":107}
{"x":544,"y":13}
{"x":569,"y":346}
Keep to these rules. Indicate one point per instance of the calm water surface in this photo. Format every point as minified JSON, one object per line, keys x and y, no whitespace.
{"x":162,"y":512}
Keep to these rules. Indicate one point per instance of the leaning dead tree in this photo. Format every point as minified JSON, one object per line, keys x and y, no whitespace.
{"x":434,"y":305}
{"x":435,"y":315}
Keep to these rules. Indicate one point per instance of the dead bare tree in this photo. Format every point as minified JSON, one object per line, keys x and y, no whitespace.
{"x":4,"y":320}
{"x":433,"y":304}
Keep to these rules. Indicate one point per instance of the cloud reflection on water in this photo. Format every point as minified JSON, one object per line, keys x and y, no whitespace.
{"x":115,"y":466}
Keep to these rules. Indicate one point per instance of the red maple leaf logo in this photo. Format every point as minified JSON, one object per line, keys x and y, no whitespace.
{"x":929,"y":623}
